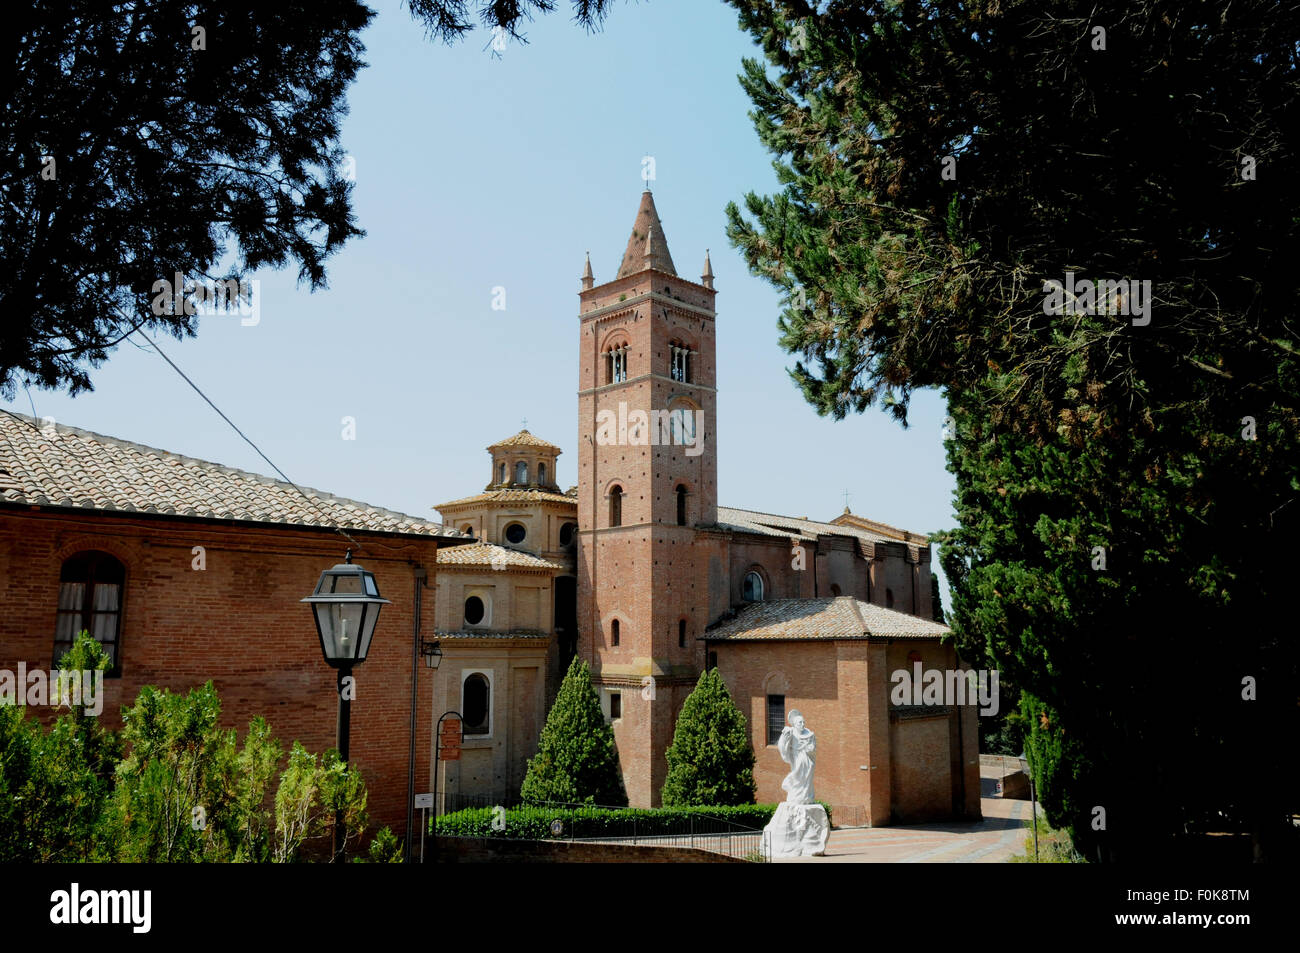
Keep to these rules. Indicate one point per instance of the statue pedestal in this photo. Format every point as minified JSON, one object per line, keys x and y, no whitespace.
{"x":798,"y":830}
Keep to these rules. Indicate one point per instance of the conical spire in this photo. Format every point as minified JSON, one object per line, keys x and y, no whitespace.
{"x":588,"y":279}
{"x":706,"y":279}
{"x":647,"y":247}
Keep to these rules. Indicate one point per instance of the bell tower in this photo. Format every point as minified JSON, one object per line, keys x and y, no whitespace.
{"x":647,"y":491}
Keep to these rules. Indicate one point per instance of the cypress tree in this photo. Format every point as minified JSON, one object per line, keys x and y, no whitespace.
{"x":576,"y":761}
{"x":711,"y":760}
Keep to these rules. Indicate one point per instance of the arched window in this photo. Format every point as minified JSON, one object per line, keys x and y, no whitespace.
{"x":681,"y":633}
{"x":90,"y":598}
{"x":616,"y":506}
{"x":541,"y":473}
{"x":889,"y":598}
{"x":613,"y":633}
{"x":835,"y":590}
{"x":681,"y":424}
{"x":521,"y":472}
{"x":501,"y":474}
{"x":681,"y":505}
{"x":474,"y":610}
{"x":679,"y":362}
{"x":616,"y":364}
{"x":468,"y":529}
{"x":753,"y":587}
{"x":476,"y":704}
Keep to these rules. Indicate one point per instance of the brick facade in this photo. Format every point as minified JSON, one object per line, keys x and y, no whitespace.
{"x":238,"y":623}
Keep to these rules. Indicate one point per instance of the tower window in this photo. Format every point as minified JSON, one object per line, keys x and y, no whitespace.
{"x":889,"y":598}
{"x":615,"y":705}
{"x":474,"y":610}
{"x":681,"y":421}
{"x":476,"y":698}
{"x":753,"y":591}
{"x":681,"y":633}
{"x":90,"y":598}
{"x":541,"y":473}
{"x":616,"y":364}
{"x":616,"y":506}
{"x":521,"y":472}
{"x":516,"y":533}
{"x":679,"y":367}
{"x":613,"y":633}
{"x":681,"y":505}
{"x":775,"y":718}
{"x":501,"y":474}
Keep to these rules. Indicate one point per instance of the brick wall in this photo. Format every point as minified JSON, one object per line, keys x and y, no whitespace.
{"x":238,"y":623}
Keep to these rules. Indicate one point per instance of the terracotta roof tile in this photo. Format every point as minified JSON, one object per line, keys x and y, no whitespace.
{"x":69,"y":467}
{"x":511,"y":496}
{"x":834,"y":617}
{"x":489,"y":554}
{"x":524,"y":439}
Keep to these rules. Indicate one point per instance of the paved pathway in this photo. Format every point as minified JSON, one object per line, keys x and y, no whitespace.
{"x":990,"y":841}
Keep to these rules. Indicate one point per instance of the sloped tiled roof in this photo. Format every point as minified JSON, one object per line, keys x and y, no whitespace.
{"x":489,"y":554}
{"x":511,"y":496}
{"x":524,"y":439}
{"x":769,"y":524}
{"x":69,"y":467}
{"x":833,"y":617}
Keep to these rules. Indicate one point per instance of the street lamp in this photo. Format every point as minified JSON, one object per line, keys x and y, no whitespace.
{"x":432,"y":652}
{"x":1033,"y":804}
{"x":346,"y":604}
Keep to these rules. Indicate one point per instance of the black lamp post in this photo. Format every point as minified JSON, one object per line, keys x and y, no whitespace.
{"x":346,"y":604}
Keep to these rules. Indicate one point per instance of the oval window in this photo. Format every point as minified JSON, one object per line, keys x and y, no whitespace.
{"x":515,"y":533}
{"x":473,"y":610}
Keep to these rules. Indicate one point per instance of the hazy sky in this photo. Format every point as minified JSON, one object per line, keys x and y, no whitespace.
{"x":475,"y":172}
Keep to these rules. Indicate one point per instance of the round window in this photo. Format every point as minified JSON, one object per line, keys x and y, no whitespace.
{"x":566,"y":533}
{"x":515,"y":533}
{"x":473,"y":610}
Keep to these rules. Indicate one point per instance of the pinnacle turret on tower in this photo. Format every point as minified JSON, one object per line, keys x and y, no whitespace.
{"x":588,"y":279}
{"x":706,"y":278}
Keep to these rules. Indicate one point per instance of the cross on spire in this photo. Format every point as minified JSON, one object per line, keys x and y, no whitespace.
{"x":846,"y":500}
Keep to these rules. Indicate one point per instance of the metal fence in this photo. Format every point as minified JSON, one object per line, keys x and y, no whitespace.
{"x":604,"y":824}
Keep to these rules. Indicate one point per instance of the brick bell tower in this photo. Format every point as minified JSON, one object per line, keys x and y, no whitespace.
{"x":647,"y":493}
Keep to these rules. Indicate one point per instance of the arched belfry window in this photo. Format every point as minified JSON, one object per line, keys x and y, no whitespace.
{"x":521,"y":472}
{"x":616,"y":506}
{"x":753,"y":591}
{"x":679,"y":362}
{"x":681,"y":505}
{"x":90,"y":598}
{"x":616,"y":364}
{"x":614,"y":633}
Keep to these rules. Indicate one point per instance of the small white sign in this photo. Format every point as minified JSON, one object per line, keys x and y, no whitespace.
{"x":424,"y":800}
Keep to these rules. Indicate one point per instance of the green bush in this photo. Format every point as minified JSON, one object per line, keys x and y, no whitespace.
{"x":710,"y":760}
{"x":528,"y":822}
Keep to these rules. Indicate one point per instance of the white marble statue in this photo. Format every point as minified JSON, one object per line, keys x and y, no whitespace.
{"x":800,"y":827}
{"x":797,"y":744}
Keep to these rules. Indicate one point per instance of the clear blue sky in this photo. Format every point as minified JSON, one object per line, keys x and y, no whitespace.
{"x":472,"y":172}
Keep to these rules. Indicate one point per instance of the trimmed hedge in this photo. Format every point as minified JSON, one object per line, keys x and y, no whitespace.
{"x":534,"y":823}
